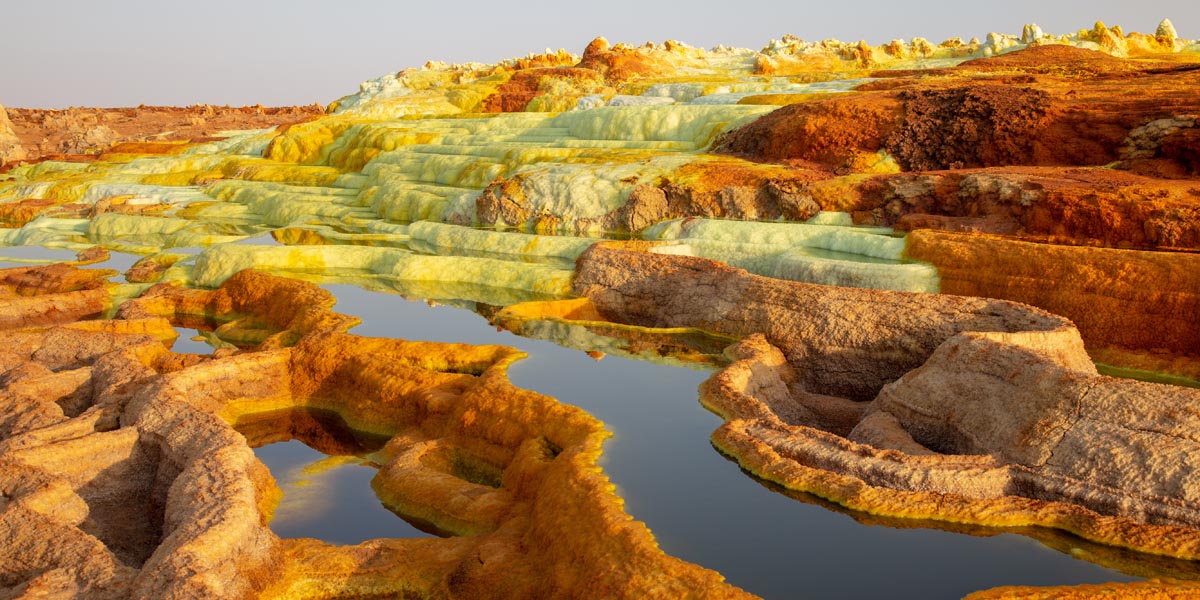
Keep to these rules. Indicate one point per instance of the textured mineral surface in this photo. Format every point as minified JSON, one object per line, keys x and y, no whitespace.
{"x":124,"y":472}
{"x":945,"y":407}
{"x":948,"y":284}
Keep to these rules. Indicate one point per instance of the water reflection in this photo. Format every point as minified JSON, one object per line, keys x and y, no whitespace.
{"x":191,"y":341}
{"x":704,"y":509}
{"x":324,"y":470}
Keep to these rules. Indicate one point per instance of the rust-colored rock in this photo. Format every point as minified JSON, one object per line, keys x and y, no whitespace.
{"x":1056,"y":106}
{"x":525,"y":85}
{"x":1095,"y":207}
{"x":622,"y":63}
{"x":139,"y":130}
{"x":830,"y":131}
{"x":969,"y":127}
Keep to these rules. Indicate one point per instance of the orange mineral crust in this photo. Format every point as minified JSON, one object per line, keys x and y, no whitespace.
{"x":1117,"y":298}
{"x":1007,"y":110}
{"x":124,"y":475}
{"x":1142,"y":590}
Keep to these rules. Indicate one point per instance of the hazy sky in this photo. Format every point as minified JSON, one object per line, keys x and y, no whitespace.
{"x":59,"y":53}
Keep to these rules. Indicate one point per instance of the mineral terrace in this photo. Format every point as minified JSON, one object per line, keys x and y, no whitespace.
{"x":952,"y":282}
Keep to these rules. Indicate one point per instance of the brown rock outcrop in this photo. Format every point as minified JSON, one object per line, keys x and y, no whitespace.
{"x":721,"y":187}
{"x":979,"y":411}
{"x":978,"y":126}
{"x":10,"y":146}
{"x":733,"y":190}
{"x":79,"y":130}
{"x":829,"y":131}
{"x":657,"y":290}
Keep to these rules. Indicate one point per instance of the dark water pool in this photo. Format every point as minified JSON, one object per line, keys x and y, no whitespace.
{"x":328,"y":497}
{"x":703,"y":508}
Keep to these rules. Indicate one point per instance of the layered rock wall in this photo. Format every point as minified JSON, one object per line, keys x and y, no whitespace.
{"x":1115,"y":297}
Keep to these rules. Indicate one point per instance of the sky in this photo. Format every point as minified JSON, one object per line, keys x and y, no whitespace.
{"x":60,"y":53}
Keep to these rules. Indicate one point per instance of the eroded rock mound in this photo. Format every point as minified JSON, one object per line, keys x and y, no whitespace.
{"x":1044,"y":105}
{"x":660,"y":290}
{"x":969,"y":127}
{"x":832,"y":131}
{"x":971,"y":411}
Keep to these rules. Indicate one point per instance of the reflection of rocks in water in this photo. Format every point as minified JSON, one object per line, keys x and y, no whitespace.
{"x":123,"y":472}
{"x":454,"y":277}
{"x":323,"y":430}
{"x":923,"y":406}
{"x":574,"y":324}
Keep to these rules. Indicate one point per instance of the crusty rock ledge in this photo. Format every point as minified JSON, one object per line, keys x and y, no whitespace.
{"x":924,"y":406}
{"x":122,"y":474}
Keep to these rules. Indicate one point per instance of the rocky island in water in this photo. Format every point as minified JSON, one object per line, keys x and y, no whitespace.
{"x":949,"y":287}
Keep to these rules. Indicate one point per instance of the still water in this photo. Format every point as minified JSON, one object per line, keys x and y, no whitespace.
{"x":328,"y":497}
{"x":700,"y":505}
